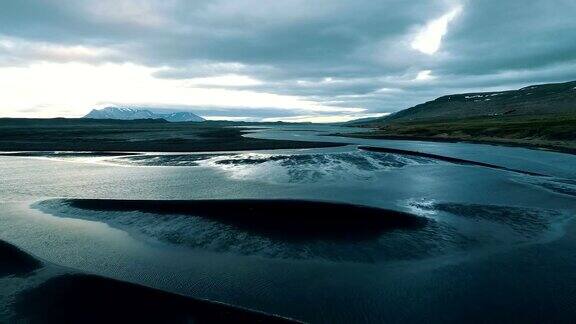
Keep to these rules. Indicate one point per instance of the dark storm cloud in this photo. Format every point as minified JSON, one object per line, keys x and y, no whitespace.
{"x":512,"y":35}
{"x":344,"y":53}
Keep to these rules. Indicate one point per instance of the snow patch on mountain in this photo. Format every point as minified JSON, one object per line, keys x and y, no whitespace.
{"x":136,"y":113}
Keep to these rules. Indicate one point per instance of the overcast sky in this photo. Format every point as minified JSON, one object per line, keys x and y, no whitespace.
{"x":293,"y":60}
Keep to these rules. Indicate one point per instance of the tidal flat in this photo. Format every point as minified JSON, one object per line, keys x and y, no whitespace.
{"x":405,"y":233}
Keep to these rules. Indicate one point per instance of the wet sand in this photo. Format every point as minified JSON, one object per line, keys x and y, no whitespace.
{"x":16,"y":262}
{"x":280,"y":219}
{"x":84,"y":298}
{"x":132,"y":136}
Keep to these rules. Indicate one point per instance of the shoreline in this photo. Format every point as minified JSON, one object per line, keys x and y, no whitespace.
{"x":531,"y":146}
{"x":447,"y":159}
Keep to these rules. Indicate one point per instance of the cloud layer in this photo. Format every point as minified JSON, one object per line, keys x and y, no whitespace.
{"x":268,"y":60}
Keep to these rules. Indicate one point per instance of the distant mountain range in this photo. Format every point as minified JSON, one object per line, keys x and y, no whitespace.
{"x":536,"y":100}
{"x":136,"y":113}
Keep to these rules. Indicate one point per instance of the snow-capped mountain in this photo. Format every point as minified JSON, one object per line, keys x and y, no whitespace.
{"x":135,"y":113}
{"x":182,"y":116}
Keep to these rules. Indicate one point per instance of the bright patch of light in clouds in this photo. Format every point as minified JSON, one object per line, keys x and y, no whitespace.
{"x":230,"y":118}
{"x":324,"y":119}
{"x":231,"y":80}
{"x":42,"y":51}
{"x":72,"y":89}
{"x":429,"y":39}
{"x":425,"y":75}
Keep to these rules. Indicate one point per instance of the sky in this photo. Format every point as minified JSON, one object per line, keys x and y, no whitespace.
{"x":264,"y":60}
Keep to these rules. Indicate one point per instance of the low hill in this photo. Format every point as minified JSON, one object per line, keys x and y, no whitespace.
{"x":540,"y":115}
{"x":543,"y":99}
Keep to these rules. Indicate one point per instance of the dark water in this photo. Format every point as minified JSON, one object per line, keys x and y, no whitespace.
{"x":461,"y":242}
